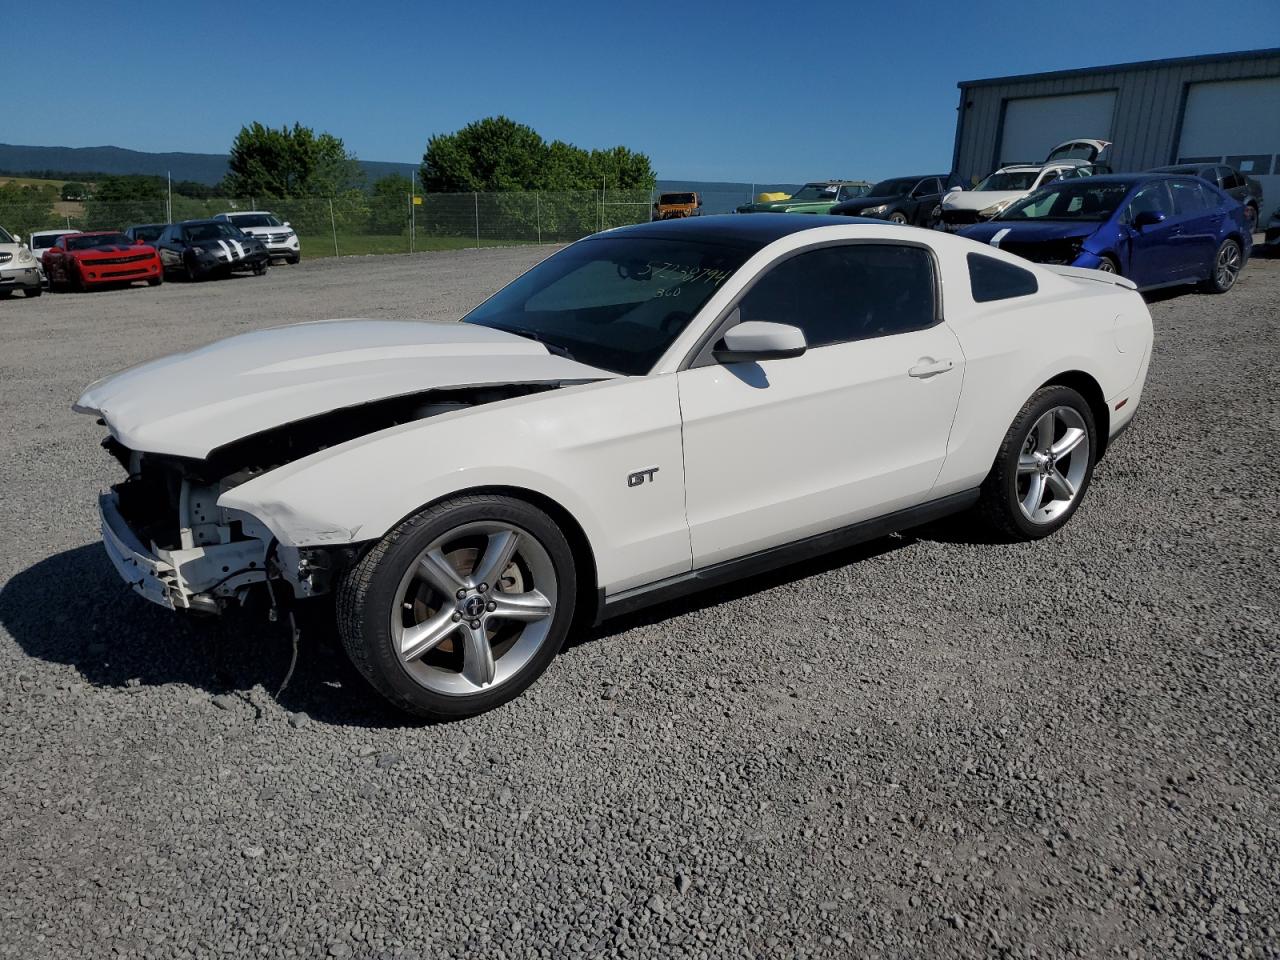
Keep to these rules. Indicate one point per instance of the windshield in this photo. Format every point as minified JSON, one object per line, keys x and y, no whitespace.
{"x":255,"y":220}
{"x":91,"y":240}
{"x":893,"y":188}
{"x":816,"y":191}
{"x":5,"y":237}
{"x":613,"y":302}
{"x":213,"y":231}
{"x":671,"y":198}
{"x":1070,"y":200}
{"x":1074,"y":151}
{"x":1013,"y":180}
{"x":148,"y":232}
{"x":45,"y":242}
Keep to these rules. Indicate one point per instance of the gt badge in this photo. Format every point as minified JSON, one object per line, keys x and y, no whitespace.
{"x":640,"y":476}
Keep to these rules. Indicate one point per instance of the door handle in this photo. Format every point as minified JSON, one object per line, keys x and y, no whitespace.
{"x":929,"y":368}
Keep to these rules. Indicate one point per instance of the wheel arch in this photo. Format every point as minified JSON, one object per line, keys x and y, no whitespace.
{"x":1089,"y":388}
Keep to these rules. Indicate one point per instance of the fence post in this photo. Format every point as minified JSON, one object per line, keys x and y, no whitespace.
{"x":334,"y":224}
{"x":413,"y":220}
{"x":537,"y":199}
{"x":476,"y":198}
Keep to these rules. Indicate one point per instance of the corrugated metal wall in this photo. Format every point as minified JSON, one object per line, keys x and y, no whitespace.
{"x":1149,"y":104}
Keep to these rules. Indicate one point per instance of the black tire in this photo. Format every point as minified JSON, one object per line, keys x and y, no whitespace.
{"x":1227,"y":263}
{"x":1107,"y":264}
{"x":260,"y":268}
{"x":34,"y":291}
{"x":75,"y":281}
{"x":5,"y":294}
{"x":295,"y":259}
{"x":999,"y":503}
{"x":156,"y":280}
{"x":898,"y":217}
{"x":369,"y":591}
{"x":190,"y":273}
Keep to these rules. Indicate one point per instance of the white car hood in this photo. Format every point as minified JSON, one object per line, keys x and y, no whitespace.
{"x":189,"y":404}
{"x":265,"y":231}
{"x":979,"y":199}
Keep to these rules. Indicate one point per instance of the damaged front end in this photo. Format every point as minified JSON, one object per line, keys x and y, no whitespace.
{"x":167,"y":536}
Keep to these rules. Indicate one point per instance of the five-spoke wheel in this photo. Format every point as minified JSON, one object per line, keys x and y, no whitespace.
{"x":460,"y":607}
{"x":1043,"y":466}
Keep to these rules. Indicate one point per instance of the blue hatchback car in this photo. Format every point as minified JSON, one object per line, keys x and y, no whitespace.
{"x":1157,"y":230}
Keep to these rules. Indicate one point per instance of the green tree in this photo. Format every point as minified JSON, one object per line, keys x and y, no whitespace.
{"x":74,"y":190}
{"x":498,"y":154}
{"x":389,"y":204}
{"x":120,"y":201}
{"x":289,"y":162}
{"x":26,"y":208}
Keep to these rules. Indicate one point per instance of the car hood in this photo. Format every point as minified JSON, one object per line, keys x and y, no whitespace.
{"x":1032,"y":231}
{"x":189,"y":404}
{"x":264,"y":231}
{"x":978,"y":199}
{"x":862,"y":203}
{"x":115,"y":250}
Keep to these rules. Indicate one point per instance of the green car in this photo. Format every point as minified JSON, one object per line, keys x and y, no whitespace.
{"x":818,"y":197}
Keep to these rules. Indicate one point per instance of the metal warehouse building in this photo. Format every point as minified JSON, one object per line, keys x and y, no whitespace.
{"x":1222,"y":107}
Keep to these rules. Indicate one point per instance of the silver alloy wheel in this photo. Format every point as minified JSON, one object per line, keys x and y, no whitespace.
{"x":1052,"y":464}
{"x":1227,"y":266}
{"x":897,"y":217}
{"x":1106,"y":266}
{"x":474,"y":607}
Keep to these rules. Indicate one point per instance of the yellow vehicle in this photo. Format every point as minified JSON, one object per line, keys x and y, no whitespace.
{"x":674,"y":206}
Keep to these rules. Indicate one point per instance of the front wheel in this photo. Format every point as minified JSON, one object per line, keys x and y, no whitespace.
{"x":1227,"y":263}
{"x":1043,"y":467}
{"x":1107,"y":265}
{"x":898,"y":217}
{"x":461,"y":607}
{"x":261,"y":267}
{"x":34,"y":291}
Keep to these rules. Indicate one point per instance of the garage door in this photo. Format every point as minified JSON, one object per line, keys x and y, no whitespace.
{"x":1035,"y":125}
{"x":1236,"y":122}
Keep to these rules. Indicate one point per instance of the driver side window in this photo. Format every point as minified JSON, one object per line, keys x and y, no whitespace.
{"x":849,"y":292}
{"x":1154,"y":197}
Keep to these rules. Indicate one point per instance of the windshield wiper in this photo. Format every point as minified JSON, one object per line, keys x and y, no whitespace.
{"x":555,"y":348}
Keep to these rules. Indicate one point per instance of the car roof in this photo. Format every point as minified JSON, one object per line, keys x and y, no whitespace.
{"x":751,"y":230}
{"x":1185,"y":167}
{"x":193,"y":223}
{"x":52,"y":233}
{"x":139,"y":226}
{"x":916,"y":176}
{"x":264,"y":213}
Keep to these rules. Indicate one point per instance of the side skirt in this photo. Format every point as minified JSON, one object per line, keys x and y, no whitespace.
{"x":763,"y":561}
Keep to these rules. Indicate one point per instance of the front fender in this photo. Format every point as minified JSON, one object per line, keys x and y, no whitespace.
{"x":575,"y":446}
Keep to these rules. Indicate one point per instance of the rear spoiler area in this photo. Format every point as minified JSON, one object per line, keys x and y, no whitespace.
{"x":1082,"y":273}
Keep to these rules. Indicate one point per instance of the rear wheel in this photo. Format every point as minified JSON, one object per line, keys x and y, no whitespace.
{"x":1043,"y":467}
{"x":898,"y":217}
{"x":461,"y":607}
{"x":1227,"y":263}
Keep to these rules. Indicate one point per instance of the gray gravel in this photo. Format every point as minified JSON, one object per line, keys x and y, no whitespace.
{"x":930,"y":746}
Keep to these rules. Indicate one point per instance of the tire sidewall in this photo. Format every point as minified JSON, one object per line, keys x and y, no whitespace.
{"x":373,"y":619}
{"x":1041,"y":403}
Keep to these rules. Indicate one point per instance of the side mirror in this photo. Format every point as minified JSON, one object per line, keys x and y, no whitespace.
{"x":757,"y":340}
{"x":288,"y":224}
{"x":1147,"y":218}
{"x":956,"y":189}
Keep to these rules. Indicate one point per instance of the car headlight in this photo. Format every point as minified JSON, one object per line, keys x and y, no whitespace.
{"x":24,"y":256}
{"x":874,"y":211}
{"x":994,"y":209}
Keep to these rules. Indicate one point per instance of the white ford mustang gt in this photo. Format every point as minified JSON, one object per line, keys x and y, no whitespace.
{"x":648,"y":411}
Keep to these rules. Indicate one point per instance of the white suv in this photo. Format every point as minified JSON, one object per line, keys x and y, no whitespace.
{"x":276,"y":235}
{"x":19,"y":270}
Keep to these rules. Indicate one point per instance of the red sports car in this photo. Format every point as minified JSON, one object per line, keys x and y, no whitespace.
{"x":83,"y":260}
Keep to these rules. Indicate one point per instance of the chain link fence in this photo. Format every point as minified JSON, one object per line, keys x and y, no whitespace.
{"x":357,"y":223}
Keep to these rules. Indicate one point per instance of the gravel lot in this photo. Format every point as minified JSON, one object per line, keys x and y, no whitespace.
{"x":963,"y":749}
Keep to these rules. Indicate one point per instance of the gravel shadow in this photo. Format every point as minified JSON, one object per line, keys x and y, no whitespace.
{"x":72,"y":608}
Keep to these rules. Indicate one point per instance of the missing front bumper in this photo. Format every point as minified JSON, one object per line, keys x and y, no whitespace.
{"x":196,"y":578}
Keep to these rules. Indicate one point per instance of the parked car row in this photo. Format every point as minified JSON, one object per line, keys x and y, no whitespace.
{"x":1189,"y":223}
{"x":150,"y":252}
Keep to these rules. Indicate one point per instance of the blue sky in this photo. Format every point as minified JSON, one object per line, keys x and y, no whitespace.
{"x":733,"y":91}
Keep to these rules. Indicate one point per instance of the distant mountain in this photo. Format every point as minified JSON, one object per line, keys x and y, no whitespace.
{"x":200,"y":167}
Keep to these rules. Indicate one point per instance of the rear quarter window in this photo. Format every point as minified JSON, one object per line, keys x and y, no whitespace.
{"x":991,"y":279}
